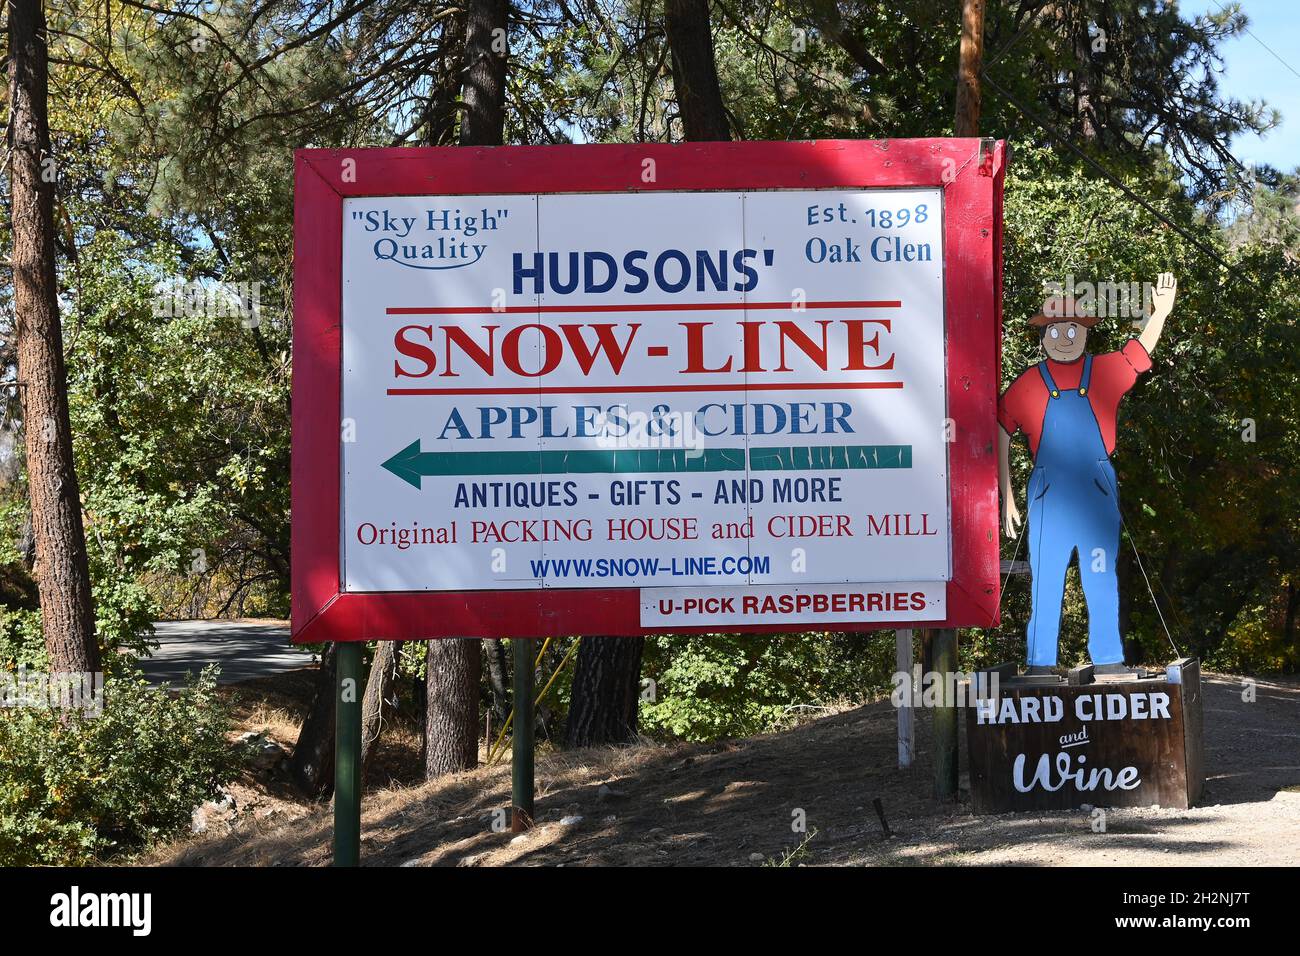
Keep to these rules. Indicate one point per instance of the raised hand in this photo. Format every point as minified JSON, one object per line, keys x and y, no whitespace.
{"x":1162,"y":303}
{"x":1162,"y":297}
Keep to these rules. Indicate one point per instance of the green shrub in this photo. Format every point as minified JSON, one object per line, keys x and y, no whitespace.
{"x":21,"y":642}
{"x":124,"y":615}
{"x":77,"y":788}
{"x":726,"y":685}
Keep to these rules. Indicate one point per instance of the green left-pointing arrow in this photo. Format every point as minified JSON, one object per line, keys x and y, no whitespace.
{"x":406,"y":463}
{"x":410,"y":464}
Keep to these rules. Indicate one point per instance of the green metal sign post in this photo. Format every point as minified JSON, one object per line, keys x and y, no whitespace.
{"x":347,"y":755}
{"x":521,"y":757}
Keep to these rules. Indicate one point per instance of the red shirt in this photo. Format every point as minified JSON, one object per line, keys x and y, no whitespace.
{"x":1024,"y":404}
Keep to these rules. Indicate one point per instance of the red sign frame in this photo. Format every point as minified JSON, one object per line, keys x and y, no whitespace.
{"x":970,"y":171}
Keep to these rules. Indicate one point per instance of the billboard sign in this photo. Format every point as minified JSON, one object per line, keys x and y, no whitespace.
{"x":615,"y":389}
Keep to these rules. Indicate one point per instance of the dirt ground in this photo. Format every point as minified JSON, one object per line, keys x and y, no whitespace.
{"x":736,"y":803}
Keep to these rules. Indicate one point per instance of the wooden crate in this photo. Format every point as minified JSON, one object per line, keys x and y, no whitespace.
{"x":1061,"y":746}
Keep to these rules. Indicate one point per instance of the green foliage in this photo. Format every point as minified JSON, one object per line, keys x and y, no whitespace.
{"x":727,"y":685}
{"x":182,"y":440}
{"x":83,"y":788}
{"x":124,"y":614}
{"x":21,"y":642}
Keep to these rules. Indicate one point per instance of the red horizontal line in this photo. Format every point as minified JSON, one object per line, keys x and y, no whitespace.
{"x":642,"y":307}
{"x":614,"y":389}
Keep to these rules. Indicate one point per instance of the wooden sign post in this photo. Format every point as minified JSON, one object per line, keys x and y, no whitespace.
{"x":906,"y":712}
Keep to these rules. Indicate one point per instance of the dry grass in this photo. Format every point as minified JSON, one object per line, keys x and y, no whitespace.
{"x":720,"y":804}
{"x":693,"y":803}
{"x":273,"y":705}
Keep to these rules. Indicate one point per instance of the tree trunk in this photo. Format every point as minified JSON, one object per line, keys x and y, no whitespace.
{"x":62,"y":570}
{"x":486,"y":52}
{"x":419,"y":699}
{"x":971,"y":57}
{"x":312,"y":763}
{"x":454,"y":664}
{"x":695,"y":72}
{"x":443,"y":104}
{"x":606,"y":691}
{"x":495,"y":653}
{"x":607,"y":676}
{"x":1083,"y":109}
{"x":313,"y":759}
{"x":27,"y":543}
{"x":451,"y":712}
{"x":380,"y":689}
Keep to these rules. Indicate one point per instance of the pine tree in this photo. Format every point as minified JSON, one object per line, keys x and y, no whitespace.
{"x":62,"y":570}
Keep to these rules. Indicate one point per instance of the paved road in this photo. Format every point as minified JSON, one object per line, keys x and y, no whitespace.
{"x":244,"y":649}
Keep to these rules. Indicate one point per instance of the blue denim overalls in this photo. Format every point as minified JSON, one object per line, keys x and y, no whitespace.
{"x":1073,"y":504}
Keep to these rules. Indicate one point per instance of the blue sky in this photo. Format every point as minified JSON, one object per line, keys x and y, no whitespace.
{"x":1263,"y":64}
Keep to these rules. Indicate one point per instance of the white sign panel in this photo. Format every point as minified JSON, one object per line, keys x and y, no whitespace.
{"x":701,"y":393}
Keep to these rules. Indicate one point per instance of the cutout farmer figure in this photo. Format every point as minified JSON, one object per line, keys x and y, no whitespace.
{"x":1067,"y":406}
